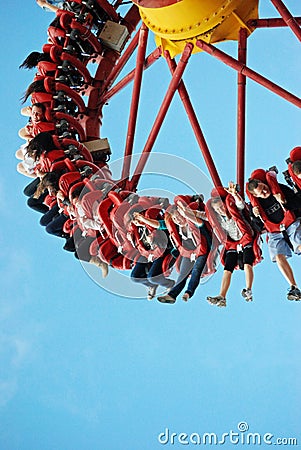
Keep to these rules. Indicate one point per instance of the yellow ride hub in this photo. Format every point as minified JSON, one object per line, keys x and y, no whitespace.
{"x":175,"y":22}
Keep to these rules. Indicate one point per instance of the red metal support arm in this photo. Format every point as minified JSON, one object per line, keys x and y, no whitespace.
{"x":195,"y":124}
{"x":130,"y":76}
{"x":135,"y":102}
{"x":287,"y":17}
{"x":269,"y":23}
{"x":241,"y":111}
{"x":232,"y":62}
{"x":176,"y":78}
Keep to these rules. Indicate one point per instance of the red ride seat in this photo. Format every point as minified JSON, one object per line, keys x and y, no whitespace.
{"x":295,"y":155}
{"x":270,"y":179}
{"x":108,"y":252}
{"x":67,"y":180}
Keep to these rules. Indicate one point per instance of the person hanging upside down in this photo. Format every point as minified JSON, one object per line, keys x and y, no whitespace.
{"x":150,"y":233}
{"x":195,"y":238}
{"x":37,"y":123}
{"x":275,"y":204}
{"x":225,"y":213}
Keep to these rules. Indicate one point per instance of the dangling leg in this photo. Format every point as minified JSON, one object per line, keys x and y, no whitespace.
{"x":230,"y":263}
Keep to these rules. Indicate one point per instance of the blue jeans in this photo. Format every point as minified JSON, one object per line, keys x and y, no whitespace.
{"x":55,"y":224}
{"x":150,"y":274}
{"x":49,"y":215}
{"x":188,"y":267}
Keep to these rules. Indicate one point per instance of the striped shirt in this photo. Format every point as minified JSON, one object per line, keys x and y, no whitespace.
{"x":230,"y":227}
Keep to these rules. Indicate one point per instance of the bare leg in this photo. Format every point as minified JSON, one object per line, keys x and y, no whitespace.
{"x":286,"y":269}
{"x":226,"y":280}
{"x":249,"y":274}
{"x":21,"y":169}
{"x":19,"y":154}
{"x":24,"y":134}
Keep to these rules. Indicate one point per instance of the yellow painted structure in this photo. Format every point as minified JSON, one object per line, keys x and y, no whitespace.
{"x":185,"y":21}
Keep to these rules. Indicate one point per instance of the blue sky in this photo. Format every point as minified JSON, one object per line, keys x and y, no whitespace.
{"x":82,"y":368}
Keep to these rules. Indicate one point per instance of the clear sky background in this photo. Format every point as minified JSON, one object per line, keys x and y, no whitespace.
{"x":84,"y":369}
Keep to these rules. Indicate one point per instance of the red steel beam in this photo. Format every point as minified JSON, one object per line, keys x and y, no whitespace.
{"x":130,"y":76}
{"x":132,"y":18}
{"x":183,"y":93}
{"x":269,"y":23}
{"x":232,"y":62}
{"x":176,"y":78}
{"x":241,"y":111}
{"x":117,"y":3}
{"x":287,"y":17}
{"x":95,"y":104}
{"x":135,"y":102}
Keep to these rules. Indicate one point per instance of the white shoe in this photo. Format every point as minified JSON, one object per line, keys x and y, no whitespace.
{"x":151,"y":292}
{"x":247,"y":294}
{"x":104,"y":267}
{"x":218,"y":300}
{"x":166,"y":299}
{"x":185,"y":297}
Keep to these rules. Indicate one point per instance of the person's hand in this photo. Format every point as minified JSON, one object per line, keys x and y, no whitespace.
{"x":41,"y":3}
{"x":60,"y":196}
{"x":231,"y":189}
{"x":201,"y":215}
{"x":279,"y":197}
{"x":26,"y":111}
{"x":39,"y":173}
{"x":28,"y":128}
{"x":180,"y":205}
{"x":182,"y":212}
{"x":138,"y":216}
{"x":256,"y":211}
{"x":71,"y":211}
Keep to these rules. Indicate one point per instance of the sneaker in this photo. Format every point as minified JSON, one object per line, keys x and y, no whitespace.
{"x":169,"y":288}
{"x":185,"y":297}
{"x":151,"y":292}
{"x":222,"y":303}
{"x":294,"y":293}
{"x":104,"y":267}
{"x":69,"y":245}
{"x":166,"y":299}
{"x":247,"y":295}
{"x":218,"y":300}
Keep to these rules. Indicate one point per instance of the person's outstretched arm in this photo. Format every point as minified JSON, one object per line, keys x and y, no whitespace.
{"x":45,"y":4}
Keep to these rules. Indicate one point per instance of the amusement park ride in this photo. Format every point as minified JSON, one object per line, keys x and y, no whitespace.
{"x":181,"y":27}
{"x":90,"y":44}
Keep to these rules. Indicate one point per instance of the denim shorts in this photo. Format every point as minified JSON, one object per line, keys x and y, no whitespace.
{"x":278,"y":245}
